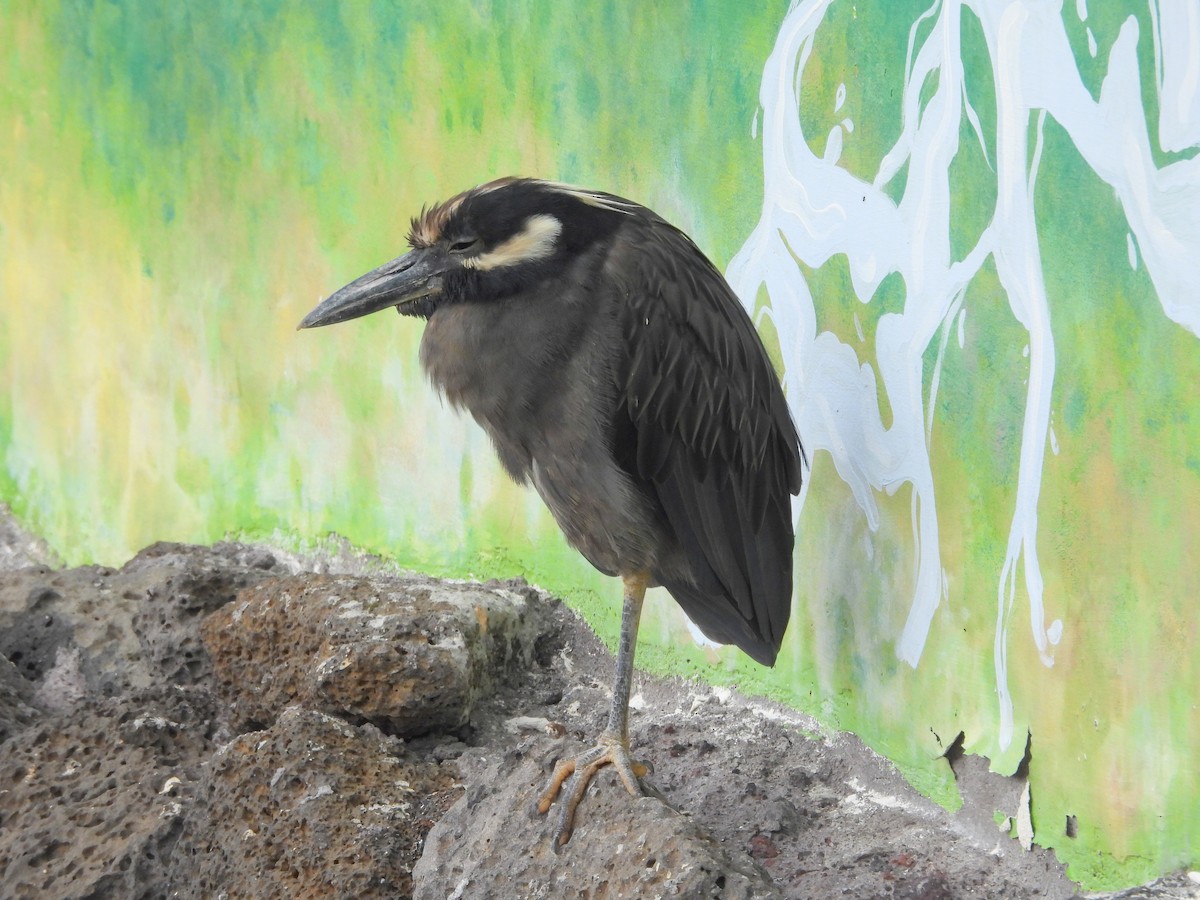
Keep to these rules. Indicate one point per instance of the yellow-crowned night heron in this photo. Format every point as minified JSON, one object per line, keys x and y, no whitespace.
{"x":612,"y":367}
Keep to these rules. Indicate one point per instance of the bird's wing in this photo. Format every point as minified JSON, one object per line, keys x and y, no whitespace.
{"x":712,"y":434}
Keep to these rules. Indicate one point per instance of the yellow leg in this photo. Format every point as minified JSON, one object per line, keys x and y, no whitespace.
{"x":612,"y":749}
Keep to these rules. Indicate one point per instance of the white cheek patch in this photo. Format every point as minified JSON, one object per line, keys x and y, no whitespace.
{"x":535,"y":242}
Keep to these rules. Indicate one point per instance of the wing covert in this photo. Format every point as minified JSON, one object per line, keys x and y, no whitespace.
{"x":714,"y":437}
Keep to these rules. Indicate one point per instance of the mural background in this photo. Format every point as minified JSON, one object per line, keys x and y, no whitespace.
{"x":975,"y":264}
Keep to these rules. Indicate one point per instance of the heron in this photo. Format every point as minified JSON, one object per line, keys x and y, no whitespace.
{"x":615,"y":371}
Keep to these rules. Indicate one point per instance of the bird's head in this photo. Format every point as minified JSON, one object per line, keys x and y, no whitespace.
{"x":484,"y":244}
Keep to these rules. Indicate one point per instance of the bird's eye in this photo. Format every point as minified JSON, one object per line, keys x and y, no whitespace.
{"x":462,"y":245}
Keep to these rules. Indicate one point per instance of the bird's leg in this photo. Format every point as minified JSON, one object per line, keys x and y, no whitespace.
{"x":613,"y":745}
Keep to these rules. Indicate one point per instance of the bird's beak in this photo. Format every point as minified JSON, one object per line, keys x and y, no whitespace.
{"x":403,"y":283}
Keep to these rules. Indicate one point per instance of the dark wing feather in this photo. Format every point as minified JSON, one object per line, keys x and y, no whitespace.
{"x":713,"y":436}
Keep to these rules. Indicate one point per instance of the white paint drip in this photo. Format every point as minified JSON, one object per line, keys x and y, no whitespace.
{"x":1175,"y":26}
{"x":814,"y":209}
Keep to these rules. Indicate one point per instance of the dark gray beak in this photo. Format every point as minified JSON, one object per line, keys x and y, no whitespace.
{"x":407,"y":283}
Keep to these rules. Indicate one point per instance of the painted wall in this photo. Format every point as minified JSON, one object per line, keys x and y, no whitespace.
{"x":976,"y":262}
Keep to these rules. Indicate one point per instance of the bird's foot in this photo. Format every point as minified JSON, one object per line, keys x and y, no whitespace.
{"x":577,"y":774}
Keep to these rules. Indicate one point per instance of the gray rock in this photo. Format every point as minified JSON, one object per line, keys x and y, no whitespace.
{"x":105,"y":631}
{"x":92,"y":800}
{"x":182,"y":584}
{"x":312,"y":806}
{"x":16,"y":695}
{"x":48,"y":617}
{"x":491,"y":844}
{"x":121,"y":776}
{"x":1179,"y":886}
{"x":409,"y":655}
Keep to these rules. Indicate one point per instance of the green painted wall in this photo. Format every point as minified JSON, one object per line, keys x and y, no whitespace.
{"x":181,"y":183}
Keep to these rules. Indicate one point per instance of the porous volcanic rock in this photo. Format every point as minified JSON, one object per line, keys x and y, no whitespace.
{"x":123,"y":772}
{"x":410,"y":655}
{"x":310,"y":807}
{"x":621,"y":847}
{"x":92,"y":799}
{"x":107,"y":630}
{"x":182,"y":584}
{"x":16,"y":694}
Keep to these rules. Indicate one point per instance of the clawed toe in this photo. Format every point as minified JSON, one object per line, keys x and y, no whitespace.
{"x":576,"y":774}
